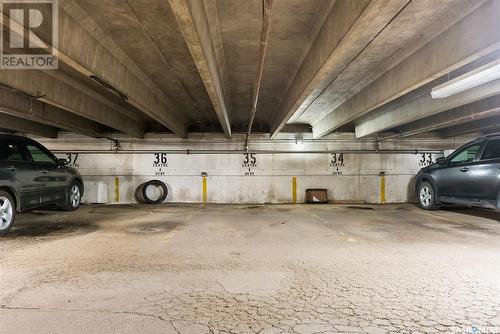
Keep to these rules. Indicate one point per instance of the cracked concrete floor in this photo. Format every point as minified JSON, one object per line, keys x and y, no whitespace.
{"x":250,"y":269}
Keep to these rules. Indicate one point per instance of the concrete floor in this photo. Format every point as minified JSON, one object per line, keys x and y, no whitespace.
{"x":248,"y":269}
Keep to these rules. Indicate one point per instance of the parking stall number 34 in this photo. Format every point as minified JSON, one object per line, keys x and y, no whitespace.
{"x":337,"y":162}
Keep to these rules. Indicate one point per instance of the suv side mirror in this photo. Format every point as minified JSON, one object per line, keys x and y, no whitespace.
{"x":62,"y":162}
{"x":442,"y":161}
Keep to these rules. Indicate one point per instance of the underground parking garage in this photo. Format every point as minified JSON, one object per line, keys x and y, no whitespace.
{"x":257,"y":166}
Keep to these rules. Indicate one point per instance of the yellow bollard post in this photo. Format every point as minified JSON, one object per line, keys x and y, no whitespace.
{"x":204,"y":186}
{"x":294,"y":190}
{"x":117,"y":189}
{"x":382,"y":187}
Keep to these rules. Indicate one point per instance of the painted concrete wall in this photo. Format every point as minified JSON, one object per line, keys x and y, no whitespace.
{"x":264,"y":176}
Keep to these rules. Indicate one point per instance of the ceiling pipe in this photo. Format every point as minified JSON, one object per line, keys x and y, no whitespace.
{"x":264,"y":38}
{"x":209,"y":152}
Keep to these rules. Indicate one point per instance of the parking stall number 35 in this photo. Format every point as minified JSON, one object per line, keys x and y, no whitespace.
{"x":249,"y":160}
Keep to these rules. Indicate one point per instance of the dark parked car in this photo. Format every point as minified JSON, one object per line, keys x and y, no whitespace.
{"x":470,"y":176}
{"x":32,"y":177}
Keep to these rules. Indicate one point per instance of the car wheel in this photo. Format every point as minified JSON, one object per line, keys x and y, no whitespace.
{"x":74,"y":197}
{"x":7,"y":212}
{"x":427,"y":196}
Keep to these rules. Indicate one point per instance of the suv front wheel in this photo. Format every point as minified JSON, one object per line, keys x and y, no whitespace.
{"x":7,"y":212}
{"x":427,"y":196}
{"x":74,"y":197}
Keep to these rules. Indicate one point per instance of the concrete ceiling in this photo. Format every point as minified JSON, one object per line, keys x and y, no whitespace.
{"x":365,"y":66}
{"x":149,"y":35}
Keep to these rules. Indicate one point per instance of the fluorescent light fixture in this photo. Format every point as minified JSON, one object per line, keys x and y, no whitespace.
{"x":472,"y":79}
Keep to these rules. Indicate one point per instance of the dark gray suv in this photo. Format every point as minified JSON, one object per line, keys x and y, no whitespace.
{"x":31,"y":177}
{"x":470,"y":176}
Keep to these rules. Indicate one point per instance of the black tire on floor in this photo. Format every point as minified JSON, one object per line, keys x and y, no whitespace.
{"x":154,"y":183}
{"x":427,"y":196}
{"x":8,"y":217}
{"x":73,"y":203}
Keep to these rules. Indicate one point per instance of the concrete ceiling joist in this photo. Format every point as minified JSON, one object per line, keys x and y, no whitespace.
{"x":419,"y":108}
{"x":491,"y":131}
{"x":46,"y":88}
{"x":471,"y":127}
{"x":471,"y":38}
{"x":296,"y":128}
{"x":10,"y":122}
{"x":92,"y":57}
{"x":488,"y":107}
{"x":23,"y":106}
{"x":401,"y":37}
{"x":207,"y":53}
{"x":348,"y":28}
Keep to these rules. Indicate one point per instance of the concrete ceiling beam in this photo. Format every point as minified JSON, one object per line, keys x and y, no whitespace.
{"x":471,"y":127}
{"x":348,"y":28}
{"x":87,"y":90}
{"x":474,"y":36}
{"x":89,"y":51}
{"x":297,"y":128}
{"x":491,"y":131}
{"x":198,"y":30}
{"x":488,"y":107}
{"x":10,"y":122}
{"x":23,"y":106}
{"x":401,"y":37}
{"x":46,"y":88}
{"x":421,"y":107}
